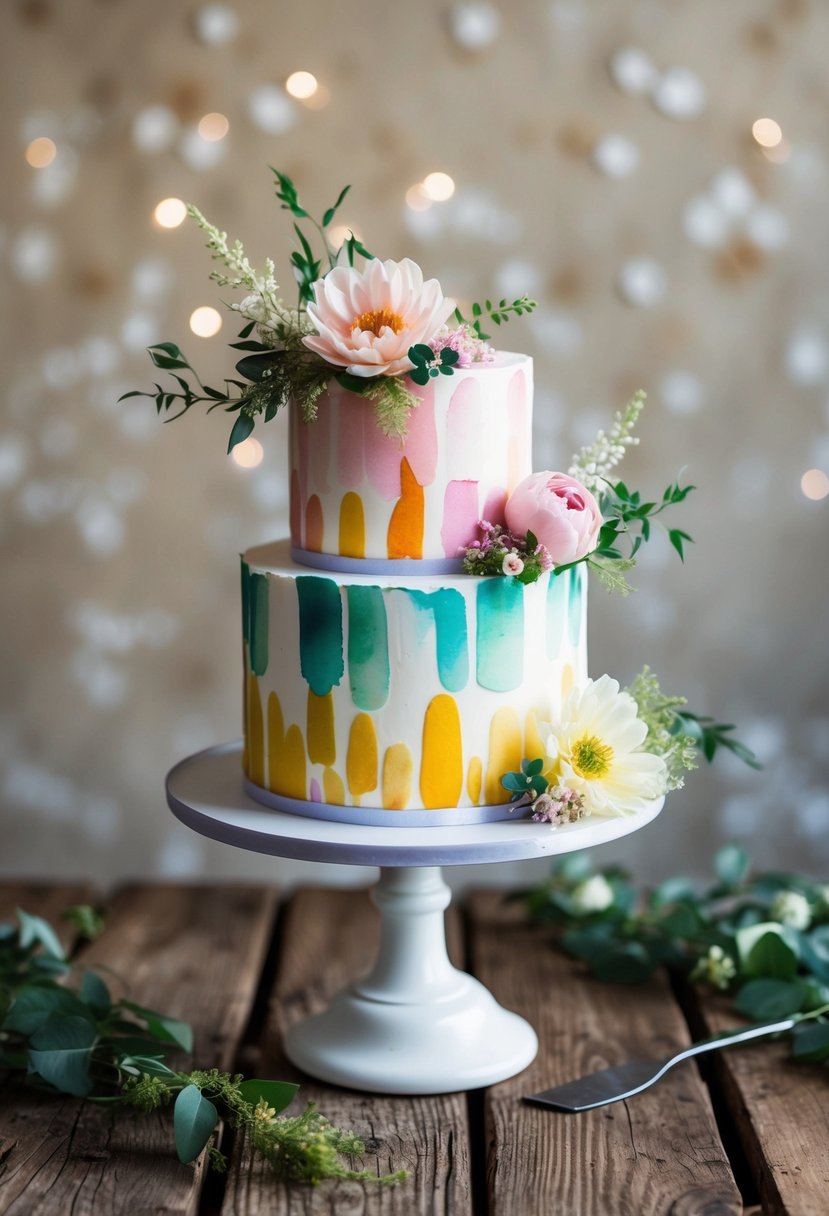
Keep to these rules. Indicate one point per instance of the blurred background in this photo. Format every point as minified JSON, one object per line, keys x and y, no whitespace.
{"x":654,"y":172}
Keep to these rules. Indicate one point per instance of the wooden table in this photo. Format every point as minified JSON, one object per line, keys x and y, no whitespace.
{"x":750,"y":1133}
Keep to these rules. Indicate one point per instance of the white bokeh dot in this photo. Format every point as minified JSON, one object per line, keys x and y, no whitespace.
{"x":216,"y":24}
{"x":199,"y":153}
{"x":271,"y":109}
{"x":34,"y":254}
{"x":642,"y":282}
{"x":14,"y":459}
{"x":139,"y":330}
{"x":733,"y":192}
{"x":807,"y":356}
{"x":154,"y":129}
{"x":679,"y":93}
{"x":615,"y":156}
{"x":474,"y":26}
{"x":681,"y":393}
{"x":633,"y":71}
{"x":705,"y":223}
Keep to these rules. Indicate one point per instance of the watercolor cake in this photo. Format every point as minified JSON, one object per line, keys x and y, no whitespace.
{"x":380,"y":678}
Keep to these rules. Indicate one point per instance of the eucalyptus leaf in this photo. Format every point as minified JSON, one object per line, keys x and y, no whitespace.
{"x":277,"y":1094}
{"x":767,"y":950}
{"x":169,"y":1030}
{"x":194,"y":1119}
{"x":94,"y":993}
{"x":61,"y":1052}
{"x":35,"y":1005}
{"x":811,"y":1042}
{"x":771,"y":998}
{"x":242,"y":427}
{"x":36,"y":931}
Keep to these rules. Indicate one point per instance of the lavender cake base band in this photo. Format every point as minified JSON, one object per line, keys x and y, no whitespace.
{"x":377,"y":565}
{"x":374,"y":817}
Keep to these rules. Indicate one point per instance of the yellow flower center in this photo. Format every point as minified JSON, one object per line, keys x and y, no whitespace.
{"x":591,"y":757}
{"x":377,"y":319}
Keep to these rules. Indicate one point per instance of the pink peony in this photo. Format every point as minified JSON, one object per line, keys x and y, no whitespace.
{"x":560,"y":511}
{"x":367,"y":319}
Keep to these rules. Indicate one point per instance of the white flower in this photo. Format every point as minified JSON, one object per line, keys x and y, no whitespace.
{"x":512,"y":564}
{"x":593,"y":895}
{"x":596,"y":749}
{"x":792,"y":909}
{"x":367,"y":319}
{"x":715,"y":968}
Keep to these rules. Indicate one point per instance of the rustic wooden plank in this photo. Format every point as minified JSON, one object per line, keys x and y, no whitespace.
{"x":659,"y":1153}
{"x":780,"y":1114}
{"x":328,"y":938}
{"x":193,"y":952}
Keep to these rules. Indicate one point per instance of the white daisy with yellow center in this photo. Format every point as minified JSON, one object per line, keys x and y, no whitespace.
{"x":596,"y":749}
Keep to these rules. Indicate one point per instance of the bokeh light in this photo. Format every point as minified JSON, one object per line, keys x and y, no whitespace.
{"x":248,"y":454}
{"x":205,"y":321}
{"x":301,"y":85}
{"x":41,"y":152}
{"x":438,"y":186}
{"x":815,"y":484}
{"x":767,"y":132}
{"x":170,"y":212}
{"x":417,"y":199}
{"x":213,"y":126}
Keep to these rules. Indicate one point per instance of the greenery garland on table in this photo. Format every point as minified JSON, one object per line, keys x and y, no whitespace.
{"x":82,"y":1041}
{"x":762,"y":938}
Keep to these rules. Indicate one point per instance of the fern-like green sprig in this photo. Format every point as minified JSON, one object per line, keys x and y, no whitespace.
{"x":498,"y":313}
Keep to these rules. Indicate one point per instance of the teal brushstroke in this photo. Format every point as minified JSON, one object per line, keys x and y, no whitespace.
{"x":258,"y":623}
{"x":558,"y":600}
{"x":500,"y":638}
{"x":447,"y":609}
{"x":368,"y":647}
{"x":576,"y":594}
{"x":320,"y":632}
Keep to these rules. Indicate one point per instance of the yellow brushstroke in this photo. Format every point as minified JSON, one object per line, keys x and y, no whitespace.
{"x":533,"y":747}
{"x":333,"y":788}
{"x":292,"y":777}
{"x":405,"y":535}
{"x":361,"y":758}
{"x":352,"y":526}
{"x":504,"y":753}
{"x":255,"y":733}
{"x":398,"y":768}
{"x":276,"y":742}
{"x":568,"y":679}
{"x":441,"y":767}
{"x":474,"y":779}
{"x":319,"y":730}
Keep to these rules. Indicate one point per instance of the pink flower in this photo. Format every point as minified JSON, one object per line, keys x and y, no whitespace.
{"x":560,"y":511}
{"x":512,"y":564}
{"x":367,"y":319}
{"x":469,"y":347}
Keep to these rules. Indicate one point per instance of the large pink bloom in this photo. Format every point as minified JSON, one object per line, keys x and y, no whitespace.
{"x":366,"y":320}
{"x":561,"y":512}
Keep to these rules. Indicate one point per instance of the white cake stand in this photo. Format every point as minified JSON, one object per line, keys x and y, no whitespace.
{"x":415,"y":1024}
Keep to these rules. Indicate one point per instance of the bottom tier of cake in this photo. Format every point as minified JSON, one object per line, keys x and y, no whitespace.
{"x":400,"y":692}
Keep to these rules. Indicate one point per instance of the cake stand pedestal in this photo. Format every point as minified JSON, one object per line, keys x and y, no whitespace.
{"x":414,"y":1024}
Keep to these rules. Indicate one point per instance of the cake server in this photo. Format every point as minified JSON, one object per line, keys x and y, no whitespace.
{"x":625,"y":1080}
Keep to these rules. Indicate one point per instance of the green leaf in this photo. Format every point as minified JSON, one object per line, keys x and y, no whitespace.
{"x":420,"y":375}
{"x":811,"y":1042}
{"x":167,"y":356}
{"x":621,"y":963}
{"x":332,"y":211}
{"x":36,"y":931}
{"x":242,"y":427}
{"x":815,"y":949}
{"x":731,"y":865}
{"x":194,"y":1119}
{"x":277,"y":1094}
{"x":94,"y":993}
{"x":770,"y":998}
{"x":764,"y":952}
{"x":154,"y":1066}
{"x":35,"y":1005}
{"x":169,"y":1030}
{"x":61,"y":1052}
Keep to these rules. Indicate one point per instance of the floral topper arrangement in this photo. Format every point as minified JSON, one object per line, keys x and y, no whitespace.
{"x":374,"y":329}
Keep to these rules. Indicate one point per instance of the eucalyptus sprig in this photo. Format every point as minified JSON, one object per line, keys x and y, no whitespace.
{"x":498,"y":313}
{"x":761,"y":937}
{"x":83,"y":1041}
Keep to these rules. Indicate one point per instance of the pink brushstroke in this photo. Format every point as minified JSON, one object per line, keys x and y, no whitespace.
{"x":421,"y":446}
{"x":320,"y":450}
{"x":351,"y":417}
{"x":494,"y":506}
{"x":460,"y":515}
{"x":464,"y":423}
{"x":315,"y":794}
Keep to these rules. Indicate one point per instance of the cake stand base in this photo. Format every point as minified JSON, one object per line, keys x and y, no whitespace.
{"x":415,"y":1024}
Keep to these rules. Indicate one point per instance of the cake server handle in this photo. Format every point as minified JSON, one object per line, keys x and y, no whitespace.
{"x":624,"y":1080}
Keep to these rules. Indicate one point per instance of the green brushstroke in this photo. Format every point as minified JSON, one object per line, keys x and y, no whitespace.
{"x":448,"y":610}
{"x":368,"y":647}
{"x":320,"y":632}
{"x":500,"y":637}
{"x":255,"y":618}
{"x":575,"y":598}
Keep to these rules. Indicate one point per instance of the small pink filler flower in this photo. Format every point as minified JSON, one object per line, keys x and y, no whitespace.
{"x":512,"y":564}
{"x":560,"y":511}
{"x":367,"y":319}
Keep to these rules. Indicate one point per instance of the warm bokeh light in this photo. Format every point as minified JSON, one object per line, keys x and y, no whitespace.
{"x":213,"y":126}
{"x":417,"y":199}
{"x":41,"y":152}
{"x":205,"y":322}
{"x":340,"y":233}
{"x":301,"y":85}
{"x":779,"y":153}
{"x":170,"y":212}
{"x":248,"y":454}
{"x":767,"y":132}
{"x":438,"y":187}
{"x":815,"y":484}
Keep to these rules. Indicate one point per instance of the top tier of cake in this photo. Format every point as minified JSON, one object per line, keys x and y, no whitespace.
{"x":357,"y":495}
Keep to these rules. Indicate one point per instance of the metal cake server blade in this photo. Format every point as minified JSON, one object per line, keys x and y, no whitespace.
{"x":625,"y":1080}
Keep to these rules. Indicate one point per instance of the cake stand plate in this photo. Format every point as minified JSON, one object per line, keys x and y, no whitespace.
{"x":415,"y":1024}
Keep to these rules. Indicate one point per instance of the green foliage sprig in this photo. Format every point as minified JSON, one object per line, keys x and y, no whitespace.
{"x":498,"y":313}
{"x":762,"y":938}
{"x":85,"y":1042}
